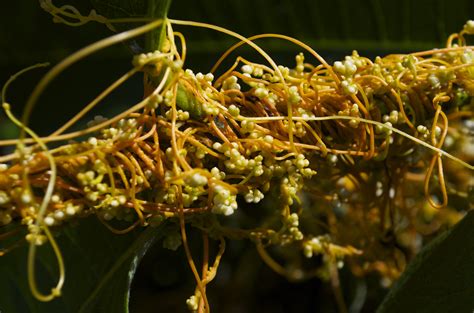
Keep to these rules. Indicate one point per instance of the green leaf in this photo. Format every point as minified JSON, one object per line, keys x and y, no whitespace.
{"x":112,"y":292}
{"x":99,"y":269}
{"x":441,"y":278}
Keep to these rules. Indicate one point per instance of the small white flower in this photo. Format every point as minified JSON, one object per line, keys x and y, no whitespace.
{"x":248,"y":69}
{"x":197,"y":180}
{"x":49,"y":221}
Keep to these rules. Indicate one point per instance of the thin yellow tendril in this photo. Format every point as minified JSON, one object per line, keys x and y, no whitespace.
{"x":56,"y":291}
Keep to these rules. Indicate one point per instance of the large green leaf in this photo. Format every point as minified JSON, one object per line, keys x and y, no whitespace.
{"x":99,"y":268}
{"x":441,"y":278}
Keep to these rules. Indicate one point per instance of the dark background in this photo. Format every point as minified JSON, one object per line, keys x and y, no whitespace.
{"x":333,"y":28}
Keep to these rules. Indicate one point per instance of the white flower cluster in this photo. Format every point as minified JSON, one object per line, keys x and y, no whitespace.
{"x":59,"y":216}
{"x":253,"y":196}
{"x":352,"y":111}
{"x":442,"y":77}
{"x":192,"y":303}
{"x":312,"y":246}
{"x":346,"y":68}
{"x":144,"y":58}
{"x":252,"y":70}
{"x":394,"y":117}
{"x":126,"y":130}
{"x":35,"y":236}
{"x":294,"y":96}
{"x":234,"y":110}
{"x":180,"y":115}
{"x":468,"y":56}
{"x":290,"y":231}
{"x":237,"y":162}
{"x":299,"y":63}
{"x":196,"y":180}
{"x":469,"y":27}
{"x":231,"y":83}
{"x":224,"y":202}
{"x":349,"y":87}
